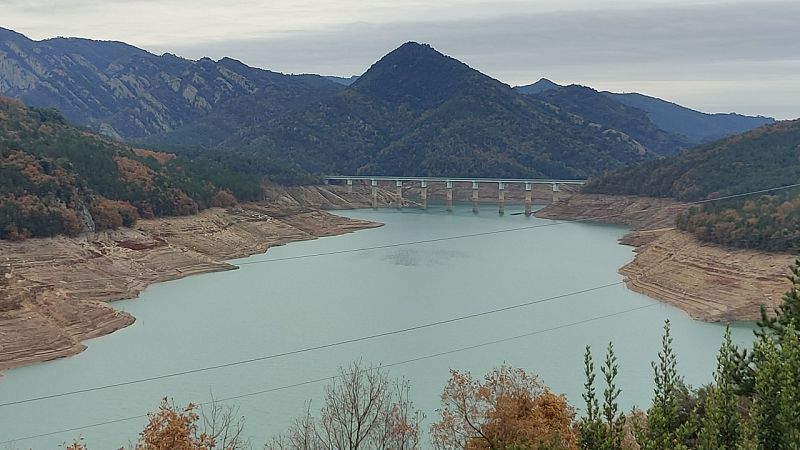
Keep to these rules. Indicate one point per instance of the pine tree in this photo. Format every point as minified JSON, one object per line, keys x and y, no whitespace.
{"x":788,"y":311}
{"x":721,"y":424}
{"x":765,"y":413}
{"x":790,"y":389}
{"x":592,"y":432}
{"x":663,"y":430}
{"x":614,"y":421}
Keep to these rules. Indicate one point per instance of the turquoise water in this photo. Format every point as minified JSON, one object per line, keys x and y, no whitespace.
{"x":281,"y":306}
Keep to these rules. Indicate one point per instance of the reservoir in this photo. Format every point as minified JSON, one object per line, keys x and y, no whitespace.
{"x":313,"y":293}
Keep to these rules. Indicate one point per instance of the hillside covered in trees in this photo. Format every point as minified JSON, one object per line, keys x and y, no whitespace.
{"x":59,"y":179}
{"x":415,"y":112}
{"x":419,"y":112}
{"x":683,"y":124}
{"x":757,"y":160}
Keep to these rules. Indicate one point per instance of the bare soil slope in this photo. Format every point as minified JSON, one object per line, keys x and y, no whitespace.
{"x":54,"y":291}
{"x":707,"y":281}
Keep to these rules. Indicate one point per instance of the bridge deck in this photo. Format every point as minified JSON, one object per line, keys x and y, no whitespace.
{"x":457,"y":180}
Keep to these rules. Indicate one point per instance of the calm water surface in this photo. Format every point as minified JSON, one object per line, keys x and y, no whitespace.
{"x":275,"y":307}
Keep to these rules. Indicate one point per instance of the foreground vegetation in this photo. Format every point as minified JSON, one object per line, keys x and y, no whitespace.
{"x":752,"y":404}
{"x":58,"y":179}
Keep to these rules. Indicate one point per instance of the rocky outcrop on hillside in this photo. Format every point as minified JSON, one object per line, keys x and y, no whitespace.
{"x":125,"y":92}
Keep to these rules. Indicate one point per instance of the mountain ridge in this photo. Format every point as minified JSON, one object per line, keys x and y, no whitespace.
{"x":414,"y":106}
{"x":124,"y":91}
{"x":685,"y":124}
{"x":417,"y":111}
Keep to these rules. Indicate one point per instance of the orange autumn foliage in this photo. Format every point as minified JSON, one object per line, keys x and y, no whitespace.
{"x":112,"y":214}
{"x":173,"y":428}
{"x":134,"y":171}
{"x":508,"y":409}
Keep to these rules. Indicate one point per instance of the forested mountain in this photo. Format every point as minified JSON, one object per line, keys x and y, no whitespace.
{"x":684,"y":126}
{"x":415,"y":112}
{"x":125,"y":92}
{"x":418,"y":112}
{"x":761,"y":159}
{"x":698,"y":127}
{"x":600,"y":109}
{"x":58,"y":179}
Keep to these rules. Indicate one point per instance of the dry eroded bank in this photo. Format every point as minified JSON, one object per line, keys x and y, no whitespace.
{"x":707,"y":281}
{"x":53,"y":292}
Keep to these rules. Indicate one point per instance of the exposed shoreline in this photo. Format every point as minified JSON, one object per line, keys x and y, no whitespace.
{"x":709,"y":282}
{"x":55,"y":292}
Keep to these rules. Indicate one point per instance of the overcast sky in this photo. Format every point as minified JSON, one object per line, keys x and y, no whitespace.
{"x":715,"y":55}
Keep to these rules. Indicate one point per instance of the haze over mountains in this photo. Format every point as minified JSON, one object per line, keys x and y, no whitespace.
{"x":414,"y":112}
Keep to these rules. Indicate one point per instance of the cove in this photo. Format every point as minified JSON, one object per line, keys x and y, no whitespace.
{"x":296,"y":302}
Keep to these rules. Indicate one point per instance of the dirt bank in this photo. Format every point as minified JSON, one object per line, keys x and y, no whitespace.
{"x":707,"y":281}
{"x":54,"y":292}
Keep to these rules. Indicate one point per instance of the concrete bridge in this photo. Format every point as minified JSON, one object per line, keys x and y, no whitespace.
{"x":424,"y":182}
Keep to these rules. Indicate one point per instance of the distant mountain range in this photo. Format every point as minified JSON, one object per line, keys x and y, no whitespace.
{"x":128,"y":93}
{"x":418,"y":112}
{"x":689,"y":126}
{"x":414,"y":112}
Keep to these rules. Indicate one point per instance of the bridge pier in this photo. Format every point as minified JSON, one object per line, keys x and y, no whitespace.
{"x":555,"y":192}
{"x":424,"y":193}
{"x":374,"y":184}
{"x":349,"y":185}
{"x":399,"y":185}
{"x":528,"y":200}
{"x":501,"y":198}
{"x":449,"y":186}
{"x":475,"y":197}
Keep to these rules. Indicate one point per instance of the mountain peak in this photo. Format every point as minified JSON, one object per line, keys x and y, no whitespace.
{"x":540,"y":86}
{"x":419,"y":75}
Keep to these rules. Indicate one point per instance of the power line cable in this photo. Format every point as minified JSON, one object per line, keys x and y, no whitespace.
{"x":378,"y":335}
{"x":334,"y":377}
{"x":314,"y":348}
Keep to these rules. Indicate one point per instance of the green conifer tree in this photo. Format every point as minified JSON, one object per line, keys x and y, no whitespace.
{"x":790,"y":389}
{"x":721,"y":424}
{"x":591,"y":430}
{"x":614,"y":421}
{"x":788,"y":311}
{"x":663,"y":431}
{"x":765,"y":412}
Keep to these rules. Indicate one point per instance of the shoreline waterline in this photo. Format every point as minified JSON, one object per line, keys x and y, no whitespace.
{"x":351,"y":295}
